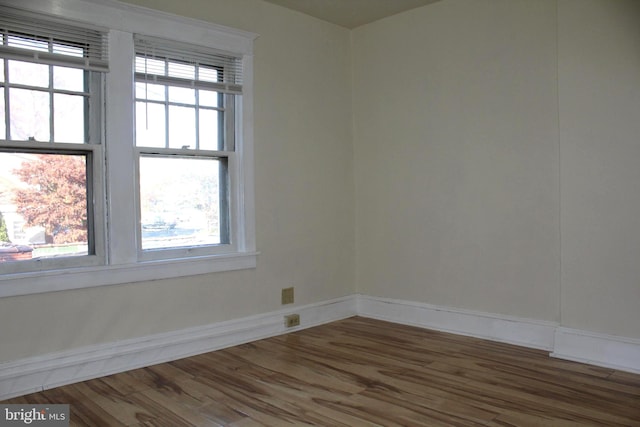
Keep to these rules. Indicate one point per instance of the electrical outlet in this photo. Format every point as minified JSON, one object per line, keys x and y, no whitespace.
{"x":287,"y":295}
{"x":292,"y":320}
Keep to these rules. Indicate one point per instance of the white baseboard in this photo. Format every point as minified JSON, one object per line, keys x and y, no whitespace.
{"x":581,"y":346}
{"x":52,"y":370}
{"x":597,"y":349}
{"x":513,"y":330}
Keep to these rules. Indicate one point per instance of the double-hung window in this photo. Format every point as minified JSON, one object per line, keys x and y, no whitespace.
{"x":50,"y":142}
{"x":187,"y":100}
{"x":125,"y":146}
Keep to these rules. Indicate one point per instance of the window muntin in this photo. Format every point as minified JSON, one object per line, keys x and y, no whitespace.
{"x":45,"y":103}
{"x":179,"y":113}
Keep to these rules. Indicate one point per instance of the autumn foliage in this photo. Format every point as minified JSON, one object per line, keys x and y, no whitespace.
{"x":55,"y":196}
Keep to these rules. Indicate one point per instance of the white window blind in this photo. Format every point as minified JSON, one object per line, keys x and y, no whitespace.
{"x":27,"y":36}
{"x":177,"y":64}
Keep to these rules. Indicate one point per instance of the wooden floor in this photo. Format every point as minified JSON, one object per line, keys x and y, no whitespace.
{"x":358,"y":372}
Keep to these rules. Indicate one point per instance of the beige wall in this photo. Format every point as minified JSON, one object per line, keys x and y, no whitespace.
{"x":497,"y":148}
{"x":599,"y":64}
{"x":304,"y":200}
{"x":456,"y":148}
{"x":495,"y":169}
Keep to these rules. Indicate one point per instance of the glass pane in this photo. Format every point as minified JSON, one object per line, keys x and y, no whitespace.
{"x":150,"y":66}
{"x":150,"y":91}
{"x":44,"y":206}
{"x":182,"y":127}
{"x":68,"y":79}
{"x":180,"y":202}
{"x":208,"y":98}
{"x":29,"y":114}
{"x":28,"y":73}
{"x":1,"y":69}
{"x":209,"y":139}
{"x":183,"y":71}
{"x":150,"y":125}
{"x":68,"y":118}
{"x":182,"y":95}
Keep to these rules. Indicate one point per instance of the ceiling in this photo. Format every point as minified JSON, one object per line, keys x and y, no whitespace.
{"x":351,"y":13}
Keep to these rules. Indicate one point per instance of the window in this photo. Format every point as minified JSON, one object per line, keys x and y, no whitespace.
{"x":186,"y":115}
{"x":50,"y":87}
{"x":125,"y":139}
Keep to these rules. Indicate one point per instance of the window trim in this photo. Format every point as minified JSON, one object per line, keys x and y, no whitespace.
{"x":122,"y":261}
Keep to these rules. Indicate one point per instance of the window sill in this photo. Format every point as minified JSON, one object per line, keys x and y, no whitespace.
{"x":89,"y":277}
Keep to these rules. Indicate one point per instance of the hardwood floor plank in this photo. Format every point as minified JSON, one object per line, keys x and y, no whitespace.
{"x":526,"y":381}
{"x":357,"y":372}
{"x":119,"y":406}
{"x":169,"y":410}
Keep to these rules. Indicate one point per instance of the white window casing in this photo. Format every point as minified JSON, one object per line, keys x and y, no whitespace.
{"x":115,"y":159}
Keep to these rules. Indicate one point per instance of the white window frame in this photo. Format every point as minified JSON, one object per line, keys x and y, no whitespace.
{"x":123,"y":263}
{"x":93,"y":66}
{"x":230,"y":89}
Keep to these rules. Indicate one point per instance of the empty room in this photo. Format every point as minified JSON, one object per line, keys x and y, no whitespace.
{"x":320,"y":212}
